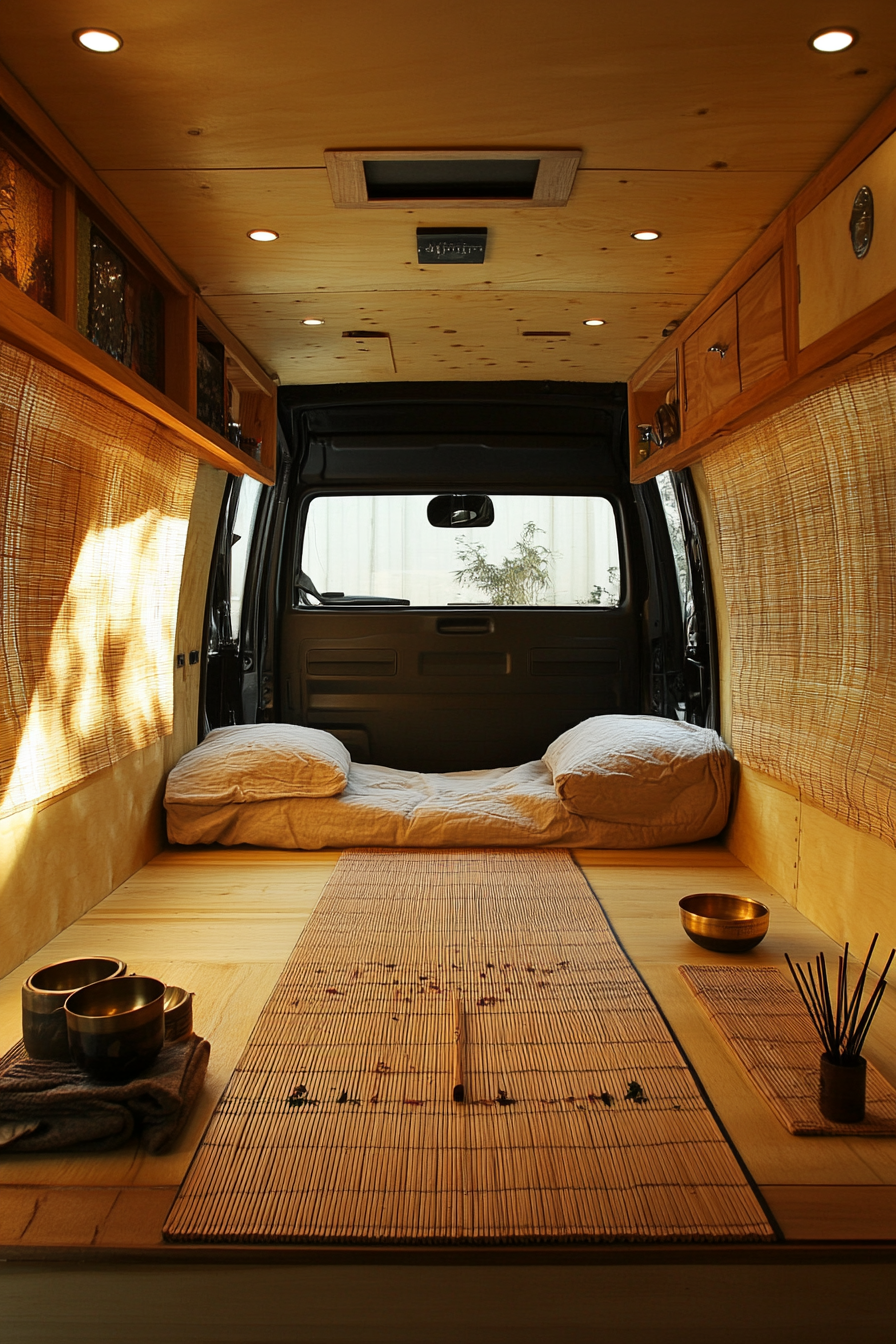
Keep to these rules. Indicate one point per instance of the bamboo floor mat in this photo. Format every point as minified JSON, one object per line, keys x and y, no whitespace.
{"x":582,"y":1120}
{"x":765,"y":1023}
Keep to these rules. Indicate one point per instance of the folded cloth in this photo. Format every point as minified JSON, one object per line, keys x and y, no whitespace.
{"x":45,"y":1106}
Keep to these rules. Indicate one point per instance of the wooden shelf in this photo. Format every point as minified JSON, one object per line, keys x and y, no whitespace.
{"x":55,"y":337}
{"x":756,"y":308}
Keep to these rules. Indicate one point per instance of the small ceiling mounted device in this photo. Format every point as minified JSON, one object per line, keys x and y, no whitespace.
{"x":861,"y":222}
{"x":833,"y":39}
{"x":263,"y":235}
{"x":312,"y":321}
{"x":593,"y":322}
{"x":451,"y":247}
{"x":646,"y":236}
{"x":97,"y":39}
{"x":396,"y":179}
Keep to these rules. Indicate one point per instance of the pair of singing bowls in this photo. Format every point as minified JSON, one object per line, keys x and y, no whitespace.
{"x":116,"y":1027}
{"x":44,"y":1028}
{"x":723,"y":923}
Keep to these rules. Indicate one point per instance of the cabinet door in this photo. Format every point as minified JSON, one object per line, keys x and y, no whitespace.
{"x":760,"y":323}
{"x":712,"y":371}
{"x":835,"y":284}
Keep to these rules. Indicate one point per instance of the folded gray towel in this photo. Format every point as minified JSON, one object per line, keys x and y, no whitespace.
{"x":45,"y":1106}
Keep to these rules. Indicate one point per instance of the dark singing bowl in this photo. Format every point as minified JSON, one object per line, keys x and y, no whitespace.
{"x":43,"y":1001}
{"x":117,"y":1027}
{"x":178,"y":1013}
{"x":723,"y":923}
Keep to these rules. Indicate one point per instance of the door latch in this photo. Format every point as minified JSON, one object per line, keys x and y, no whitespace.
{"x":719,"y":350}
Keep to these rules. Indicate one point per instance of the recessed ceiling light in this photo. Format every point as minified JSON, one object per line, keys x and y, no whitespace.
{"x":593,"y":322}
{"x":646,"y":235}
{"x":263,"y":235}
{"x":833,"y":39}
{"x":312,"y":322}
{"x":97,"y":39}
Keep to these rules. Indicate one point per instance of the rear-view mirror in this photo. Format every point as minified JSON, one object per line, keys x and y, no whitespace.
{"x":461,"y":511}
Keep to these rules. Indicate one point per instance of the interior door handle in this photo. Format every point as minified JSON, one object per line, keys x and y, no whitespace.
{"x":482,"y":625}
{"x":719,"y":350}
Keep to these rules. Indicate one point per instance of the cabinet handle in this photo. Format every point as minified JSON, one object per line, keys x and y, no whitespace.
{"x":717,"y":350}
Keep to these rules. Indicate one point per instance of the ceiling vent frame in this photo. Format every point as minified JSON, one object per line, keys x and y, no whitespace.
{"x":348,"y":181}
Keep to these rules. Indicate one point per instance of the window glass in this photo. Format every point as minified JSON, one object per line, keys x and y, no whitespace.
{"x":26,"y":230}
{"x":544,"y":550}
{"x":676,"y":534}
{"x":243,"y":525}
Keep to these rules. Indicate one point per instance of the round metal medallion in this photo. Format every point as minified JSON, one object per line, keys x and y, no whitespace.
{"x":861,"y":221}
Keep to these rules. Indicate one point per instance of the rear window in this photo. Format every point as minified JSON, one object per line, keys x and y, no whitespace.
{"x":543,"y":550}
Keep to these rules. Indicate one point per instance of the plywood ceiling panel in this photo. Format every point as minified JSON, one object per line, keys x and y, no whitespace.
{"x":697,"y":119}
{"x":455,"y":335}
{"x":656,"y":84}
{"x":706,"y":219}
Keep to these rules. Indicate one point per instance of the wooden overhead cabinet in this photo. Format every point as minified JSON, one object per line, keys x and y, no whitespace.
{"x":711,"y":369}
{"x":811,"y":299}
{"x":84,"y":288}
{"x":837,"y":278}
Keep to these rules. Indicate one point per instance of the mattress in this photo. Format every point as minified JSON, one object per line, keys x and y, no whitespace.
{"x":379,"y":806}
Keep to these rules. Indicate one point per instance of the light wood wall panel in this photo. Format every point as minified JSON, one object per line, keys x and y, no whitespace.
{"x":59,"y":858}
{"x":842,"y":880}
{"x":764,"y":831}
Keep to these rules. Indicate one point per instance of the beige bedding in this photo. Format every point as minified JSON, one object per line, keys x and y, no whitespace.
{"x":513,"y":806}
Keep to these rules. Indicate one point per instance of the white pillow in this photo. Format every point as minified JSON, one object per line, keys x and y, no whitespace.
{"x":642,"y":770}
{"x":253,"y":762}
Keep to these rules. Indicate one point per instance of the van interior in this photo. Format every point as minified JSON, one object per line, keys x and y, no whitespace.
{"x":280,"y":478}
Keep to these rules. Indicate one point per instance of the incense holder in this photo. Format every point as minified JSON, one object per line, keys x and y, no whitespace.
{"x":841,"y":1092}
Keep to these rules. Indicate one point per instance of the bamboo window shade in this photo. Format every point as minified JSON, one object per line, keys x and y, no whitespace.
{"x":96,"y":501}
{"x":806,"y":509}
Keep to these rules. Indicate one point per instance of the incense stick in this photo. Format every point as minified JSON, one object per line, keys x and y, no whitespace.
{"x":458,"y":1041}
{"x":841,"y":1025}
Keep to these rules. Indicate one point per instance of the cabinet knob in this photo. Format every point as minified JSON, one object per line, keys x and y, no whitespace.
{"x":719,"y":350}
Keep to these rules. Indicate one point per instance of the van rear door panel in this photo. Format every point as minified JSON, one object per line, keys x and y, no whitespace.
{"x":444,"y":690}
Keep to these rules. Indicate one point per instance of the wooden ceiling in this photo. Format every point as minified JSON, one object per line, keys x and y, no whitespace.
{"x":697,"y":119}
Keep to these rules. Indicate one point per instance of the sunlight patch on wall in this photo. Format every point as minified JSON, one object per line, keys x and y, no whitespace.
{"x":91,"y":550}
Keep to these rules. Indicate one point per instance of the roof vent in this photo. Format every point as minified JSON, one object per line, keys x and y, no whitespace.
{"x":403,"y":178}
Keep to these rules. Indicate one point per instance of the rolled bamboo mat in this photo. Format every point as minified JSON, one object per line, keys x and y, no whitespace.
{"x":765,"y":1023}
{"x":580,"y":1122}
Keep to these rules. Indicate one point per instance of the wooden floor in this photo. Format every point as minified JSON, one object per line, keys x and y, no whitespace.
{"x":222,"y":923}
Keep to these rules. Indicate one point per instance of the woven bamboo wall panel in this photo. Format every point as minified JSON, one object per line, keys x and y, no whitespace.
{"x":806,"y":509}
{"x":96,"y":501}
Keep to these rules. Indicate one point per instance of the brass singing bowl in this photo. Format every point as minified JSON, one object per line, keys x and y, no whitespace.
{"x":43,"y":1001}
{"x":723,"y":923}
{"x":116,"y":1027}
